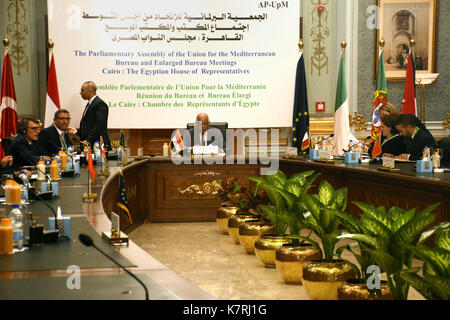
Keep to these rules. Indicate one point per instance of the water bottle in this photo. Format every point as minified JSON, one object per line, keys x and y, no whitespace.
{"x":16,"y":218}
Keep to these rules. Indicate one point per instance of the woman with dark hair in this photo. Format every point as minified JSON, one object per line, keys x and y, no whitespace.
{"x":392,"y":144}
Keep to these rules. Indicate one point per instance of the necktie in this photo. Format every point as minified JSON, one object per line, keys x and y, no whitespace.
{"x":63,"y":141}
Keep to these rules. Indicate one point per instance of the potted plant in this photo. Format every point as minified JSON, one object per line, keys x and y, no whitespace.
{"x":275,"y":212}
{"x":434,"y":284}
{"x":291,"y":257}
{"x":225,"y":188}
{"x":388,"y":238}
{"x":321,"y":278}
{"x":357,"y":289}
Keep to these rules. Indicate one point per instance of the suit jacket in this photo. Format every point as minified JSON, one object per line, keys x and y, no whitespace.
{"x":395,"y":146}
{"x":50,"y":142}
{"x":211,"y":139}
{"x":415,"y":146}
{"x":24,"y":153}
{"x":95,"y":123}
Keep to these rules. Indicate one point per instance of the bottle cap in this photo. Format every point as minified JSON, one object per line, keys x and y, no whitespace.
{"x":6,"y":222}
{"x":15,"y":206}
{"x":41,"y":162}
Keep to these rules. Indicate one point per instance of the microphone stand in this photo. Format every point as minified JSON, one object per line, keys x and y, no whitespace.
{"x":87,"y":241}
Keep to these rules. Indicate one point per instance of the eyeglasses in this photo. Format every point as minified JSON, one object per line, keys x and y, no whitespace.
{"x":33,"y":128}
{"x":63,"y":119}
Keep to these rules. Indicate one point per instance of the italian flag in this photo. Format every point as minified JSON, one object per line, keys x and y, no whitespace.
{"x":341,"y":122}
{"x":380,"y":98}
{"x":52,"y":104}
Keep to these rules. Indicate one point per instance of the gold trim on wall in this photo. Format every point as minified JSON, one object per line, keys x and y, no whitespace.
{"x":17,"y":31}
{"x":446,"y":122}
{"x":318,"y":33}
{"x":358,"y":121}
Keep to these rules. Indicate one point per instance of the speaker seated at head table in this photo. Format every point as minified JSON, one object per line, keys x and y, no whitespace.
{"x":210,"y":133}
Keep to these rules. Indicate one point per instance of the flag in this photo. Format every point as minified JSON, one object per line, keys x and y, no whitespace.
{"x":122,"y":141}
{"x":52,"y":104}
{"x":381,"y":97}
{"x":8,"y":110}
{"x":300,"y":117}
{"x":122,"y":201}
{"x":177,"y":144}
{"x":341,"y":121}
{"x":305,"y":142}
{"x":91,"y":165}
{"x":102,"y":149}
{"x":409,"y":104}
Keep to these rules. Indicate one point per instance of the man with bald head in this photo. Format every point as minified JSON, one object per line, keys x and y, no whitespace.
{"x":94,"y":122}
{"x":203,"y":135}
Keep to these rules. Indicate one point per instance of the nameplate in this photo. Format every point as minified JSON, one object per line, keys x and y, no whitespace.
{"x":291,"y":152}
{"x":388,"y":162}
{"x":115,"y":223}
{"x":324,"y":155}
{"x":196,"y":150}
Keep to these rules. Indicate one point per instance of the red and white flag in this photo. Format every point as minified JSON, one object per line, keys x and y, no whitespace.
{"x":409,"y":104}
{"x":8,"y":110}
{"x":177,"y":144}
{"x":305,"y":142}
{"x":52,"y":104}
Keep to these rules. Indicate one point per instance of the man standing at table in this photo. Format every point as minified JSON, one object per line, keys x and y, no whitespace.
{"x":94,"y":122}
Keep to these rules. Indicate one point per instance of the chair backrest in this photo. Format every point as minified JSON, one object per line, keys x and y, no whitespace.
{"x":444,"y":144}
{"x":222,"y":126}
{"x":6,"y":142}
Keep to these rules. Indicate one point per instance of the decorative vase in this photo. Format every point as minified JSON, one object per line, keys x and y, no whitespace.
{"x":222,"y":216}
{"x":234,"y":223}
{"x":322,"y":279}
{"x":250,"y":231}
{"x":290,"y":260}
{"x":355,"y":289}
{"x":266,"y":246}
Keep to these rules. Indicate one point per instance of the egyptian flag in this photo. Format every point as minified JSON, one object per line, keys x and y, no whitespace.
{"x":300,"y":117}
{"x":409,"y":104}
{"x":8,"y":110}
{"x":52,"y":105}
{"x":176,"y":143}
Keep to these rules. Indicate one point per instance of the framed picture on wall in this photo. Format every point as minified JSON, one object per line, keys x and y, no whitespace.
{"x":399,"y":22}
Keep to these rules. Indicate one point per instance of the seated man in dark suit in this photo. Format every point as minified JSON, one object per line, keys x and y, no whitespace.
{"x":416,"y":139}
{"x":24,"y":148}
{"x":205,"y":136}
{"x":55,"y":138}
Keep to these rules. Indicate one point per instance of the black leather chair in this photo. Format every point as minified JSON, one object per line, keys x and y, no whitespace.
{"x":6,"y":142}
{"x":222,"y":126}
{"x":444,"y":144}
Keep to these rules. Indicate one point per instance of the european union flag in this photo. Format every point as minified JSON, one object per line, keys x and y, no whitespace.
{"x":122,"y":140}
{"x":122,"y":201}
{"x":300,"y":126}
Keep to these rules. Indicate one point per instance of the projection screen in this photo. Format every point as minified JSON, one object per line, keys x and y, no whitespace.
{"x":159,"y":63}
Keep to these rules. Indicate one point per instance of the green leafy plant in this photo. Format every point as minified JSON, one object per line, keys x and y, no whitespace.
{"x":385,"y":237}
{"x":435,"y":280}
{"x":286,"y":200}
{"x":322,"y":218}
{"x":225,"y":189}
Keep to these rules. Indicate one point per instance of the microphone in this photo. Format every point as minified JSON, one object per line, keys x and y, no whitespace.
{"x":351,"y":148}
{"x":23,"y":155}
{"x":88,"y":242}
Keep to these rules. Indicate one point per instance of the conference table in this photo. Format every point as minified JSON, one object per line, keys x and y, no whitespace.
{"x":159,"y":190}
